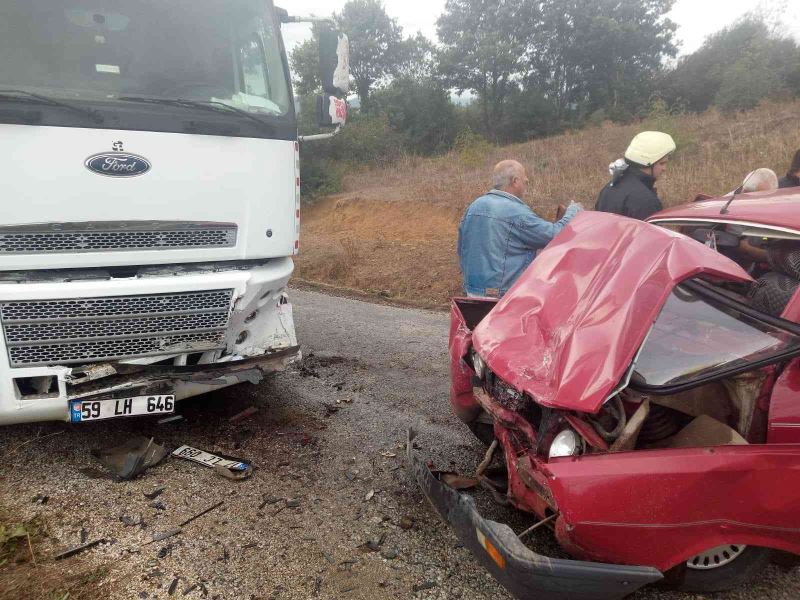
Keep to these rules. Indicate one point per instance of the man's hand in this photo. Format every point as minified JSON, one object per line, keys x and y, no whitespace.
{"x":576,"y":204}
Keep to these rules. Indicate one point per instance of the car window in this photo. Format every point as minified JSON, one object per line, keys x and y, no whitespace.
{"x":699,"y":336}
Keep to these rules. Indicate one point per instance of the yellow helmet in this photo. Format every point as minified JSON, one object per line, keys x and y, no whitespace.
{"x":649,"y":147}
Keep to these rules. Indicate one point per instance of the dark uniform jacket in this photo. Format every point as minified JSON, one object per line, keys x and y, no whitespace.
{"x":632,"y":195}
{"x":789,"y":181}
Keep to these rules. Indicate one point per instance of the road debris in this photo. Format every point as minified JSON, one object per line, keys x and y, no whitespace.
{"x":132,"y":458}
{"x":78,"y":549}
{"x":200,"y":514}
{"x":456,"y":481}
{"x":154,"y":494}
{"x":173,"y":586}
{"x":293,"y":503}
{"x":230,"y":468}
{"x":163,"y":536}
{"x":240,"y":416}
{"x":369,"y":496}
{"x":40,"y":499}
{"x":426,"y":585}
{"x":170,"y":419}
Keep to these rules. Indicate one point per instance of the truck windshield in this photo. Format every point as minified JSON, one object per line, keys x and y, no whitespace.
{"x":222,"y":51}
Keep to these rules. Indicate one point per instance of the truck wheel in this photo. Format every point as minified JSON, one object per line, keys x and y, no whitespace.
{"x":724,"y":567}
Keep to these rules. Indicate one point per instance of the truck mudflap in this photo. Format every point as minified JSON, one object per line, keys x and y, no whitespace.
{"x":527,"y":575}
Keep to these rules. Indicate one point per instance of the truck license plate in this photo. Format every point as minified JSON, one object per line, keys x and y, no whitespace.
{"x":96,"y":410}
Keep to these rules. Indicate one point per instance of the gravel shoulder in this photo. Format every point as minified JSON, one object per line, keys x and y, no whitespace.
{"x":329,"y":512}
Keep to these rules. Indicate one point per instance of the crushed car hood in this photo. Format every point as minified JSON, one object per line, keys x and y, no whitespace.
{"x":568,"y":329}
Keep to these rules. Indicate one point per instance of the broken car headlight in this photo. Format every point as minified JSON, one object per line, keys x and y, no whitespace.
{"x":478,"y":365}
{"x":566,"y":443}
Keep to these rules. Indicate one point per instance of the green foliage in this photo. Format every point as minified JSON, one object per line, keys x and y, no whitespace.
{"x":483,"y":49}
{"x":735,"y":68}
{"x":305,"y":67}
{"x":376,"y":47}
{"x":662,"y":117}
{"x":471,"y":148}
{"x":421,"y":112}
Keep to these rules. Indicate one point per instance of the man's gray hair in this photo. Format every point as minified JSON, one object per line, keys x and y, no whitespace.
{"x":504,"y":174}
{"x":761,"y":180}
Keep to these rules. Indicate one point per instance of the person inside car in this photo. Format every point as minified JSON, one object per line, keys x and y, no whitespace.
{"x":772,"y":291}
{"x":631,"y":191}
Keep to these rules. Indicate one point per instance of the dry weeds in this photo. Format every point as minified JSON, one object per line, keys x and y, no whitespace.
{"x":394,"y":228}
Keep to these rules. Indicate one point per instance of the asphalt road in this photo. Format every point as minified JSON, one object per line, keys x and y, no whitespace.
{"x":329,"y":512}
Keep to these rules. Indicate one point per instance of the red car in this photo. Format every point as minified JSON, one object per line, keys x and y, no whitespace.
{"x":645,"y":408}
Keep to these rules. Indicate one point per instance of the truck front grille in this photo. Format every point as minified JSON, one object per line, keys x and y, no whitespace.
{"x":82,"y":330}
{"x":114,"y":237}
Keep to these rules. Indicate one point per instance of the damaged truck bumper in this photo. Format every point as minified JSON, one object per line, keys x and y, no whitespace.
{"x":177,"y":331}
{"x":525,"y":574}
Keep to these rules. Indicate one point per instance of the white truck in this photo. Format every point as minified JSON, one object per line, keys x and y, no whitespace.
{"x":149,"y":201}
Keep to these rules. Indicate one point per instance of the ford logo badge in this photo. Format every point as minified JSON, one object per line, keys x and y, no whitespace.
{"x":117,"y":164}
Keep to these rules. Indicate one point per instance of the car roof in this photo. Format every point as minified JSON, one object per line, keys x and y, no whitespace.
{"x":778,"y":210}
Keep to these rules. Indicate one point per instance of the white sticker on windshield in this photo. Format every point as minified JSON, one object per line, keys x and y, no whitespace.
{"x":107,"y":69}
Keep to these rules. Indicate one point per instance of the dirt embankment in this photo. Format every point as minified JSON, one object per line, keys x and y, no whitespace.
{"x":392,"y":232}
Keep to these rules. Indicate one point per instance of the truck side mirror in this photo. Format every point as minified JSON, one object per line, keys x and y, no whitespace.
{"x":331,"y":111}
{"x":334,"y":61}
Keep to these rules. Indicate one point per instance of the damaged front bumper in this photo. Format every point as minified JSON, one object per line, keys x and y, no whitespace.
{"x":527,"y":575}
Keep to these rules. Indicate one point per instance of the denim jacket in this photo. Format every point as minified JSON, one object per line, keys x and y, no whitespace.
{"x":498,"y":238}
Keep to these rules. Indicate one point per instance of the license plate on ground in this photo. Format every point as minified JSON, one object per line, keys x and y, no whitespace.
{"x":208,"y":459}
{"x":97,"y":410}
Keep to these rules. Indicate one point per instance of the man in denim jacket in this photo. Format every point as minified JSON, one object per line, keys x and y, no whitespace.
{"x":500,"y":235}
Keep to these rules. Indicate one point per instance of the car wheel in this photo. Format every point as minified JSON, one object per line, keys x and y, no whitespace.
{"x":723,"y":567}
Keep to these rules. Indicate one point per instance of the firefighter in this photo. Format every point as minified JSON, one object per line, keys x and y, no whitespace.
{"x":631,"y":191}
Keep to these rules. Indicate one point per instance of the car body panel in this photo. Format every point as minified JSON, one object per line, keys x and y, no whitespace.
{"x":568,"y":329}
{"x":777,"y":209}
{"x":527,"y":575}
{"x":784,"y":407}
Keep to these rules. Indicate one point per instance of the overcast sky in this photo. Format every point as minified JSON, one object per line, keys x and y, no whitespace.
{"x":695,"y":18}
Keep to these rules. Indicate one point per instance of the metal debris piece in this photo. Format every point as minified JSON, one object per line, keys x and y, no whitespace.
{"x":154,"y":494}
{"x":247,"y":412}
{"x":40,"y":499}
{"x":200,"y":514}
{"x":163,"y":536}
{"x":132,"y":458}
{"x":170,"y":419}
{"x":173,"y":586}
{"x":78,"y":549}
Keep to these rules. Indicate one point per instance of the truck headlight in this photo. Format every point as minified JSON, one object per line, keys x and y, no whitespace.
{"x":566,"y":443}
{"x":479,"y":365}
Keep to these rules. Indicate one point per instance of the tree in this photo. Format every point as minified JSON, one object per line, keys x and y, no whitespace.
{"x":735,"y":68}
{"x":375,"y":44}
{"x":305,"y":67}
{"x":484,"y":48}
{"x":421,"y":111}
{"x":600,"y":54}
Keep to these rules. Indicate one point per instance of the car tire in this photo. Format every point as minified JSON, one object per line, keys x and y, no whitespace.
{"x":747,"y":565}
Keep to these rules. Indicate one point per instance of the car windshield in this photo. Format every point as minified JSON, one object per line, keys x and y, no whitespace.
{"x":696,"y":336}
{"x":224,"y":51}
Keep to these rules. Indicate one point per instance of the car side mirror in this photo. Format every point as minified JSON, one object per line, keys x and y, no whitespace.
{"x":334,"y":62}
